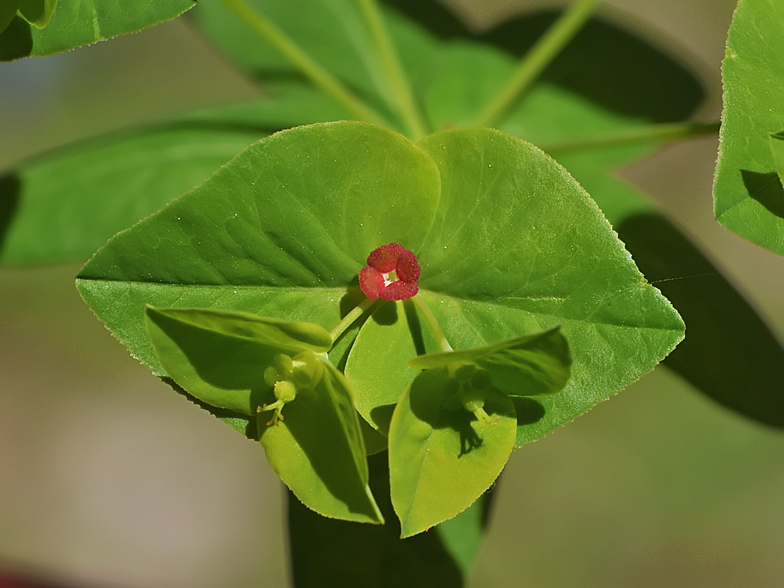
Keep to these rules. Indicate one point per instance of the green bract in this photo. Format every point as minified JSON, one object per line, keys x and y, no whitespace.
{"x":255,"y":365}
{"x":748,"y":194}
{"x":454,"y":428}
{"x":509,"y":245}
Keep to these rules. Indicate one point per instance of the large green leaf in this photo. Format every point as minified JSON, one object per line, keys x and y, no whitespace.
{"x":284,"y":229}
{"x":748,"y":195}
{"x":441,"y":459}
{"x":64,"y":205}
{"x":76,"y":23}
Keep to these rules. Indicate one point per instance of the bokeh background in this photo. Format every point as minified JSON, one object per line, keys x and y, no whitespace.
{"x":109,"y":479}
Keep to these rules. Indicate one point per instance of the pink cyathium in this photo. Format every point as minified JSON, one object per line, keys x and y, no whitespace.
{"x":391,"y":273}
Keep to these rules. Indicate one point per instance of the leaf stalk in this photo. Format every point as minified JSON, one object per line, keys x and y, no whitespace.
{"x":646,"y":134}
{"x":397,"y":81}
{"x":546,"y":48}
{"x":302,"y":61}
{"x":349,"y":319}
{"x":432,"y":321}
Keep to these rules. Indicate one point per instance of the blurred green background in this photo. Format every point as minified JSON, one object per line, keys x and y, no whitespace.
{"x":107,"y":478}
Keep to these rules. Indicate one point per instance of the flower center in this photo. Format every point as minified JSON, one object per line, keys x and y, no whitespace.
{"x":391,"y":273}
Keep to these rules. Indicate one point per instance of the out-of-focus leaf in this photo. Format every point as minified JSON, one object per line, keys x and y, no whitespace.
{"x":80,"y":23}
{"x":64,"y":205}
{"x":748,"y":193}
{"x":7,"y":12}
{"x":729,"y":353}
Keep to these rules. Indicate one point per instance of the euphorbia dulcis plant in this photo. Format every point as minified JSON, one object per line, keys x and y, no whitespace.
{"x":337,"y":289}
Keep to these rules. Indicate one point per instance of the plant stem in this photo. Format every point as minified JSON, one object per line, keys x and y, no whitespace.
{"x":538,"y":57}
{"x":433,"y":322}
{"x":349,"y":319}
{"x":393,"y":70}
{"x":289,"y":49}
{"x":651,"y":133}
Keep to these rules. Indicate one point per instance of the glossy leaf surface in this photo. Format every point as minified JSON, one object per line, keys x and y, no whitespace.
{"x":81,"y":23}
{"x":220,"y":357}
{"x":748,"y":194}
{"x":531,"y":365}
{"x":442,"y":459}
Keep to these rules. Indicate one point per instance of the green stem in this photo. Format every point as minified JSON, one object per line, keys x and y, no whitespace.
{"x":349,"y":319}
{"x":396,"y":78}
{"x":286,"y":46}
{"x":538,"y":57}
{"x":652,"y":133}
{"x":433,"y":322}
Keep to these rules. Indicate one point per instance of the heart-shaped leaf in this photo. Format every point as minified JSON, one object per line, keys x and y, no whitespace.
{"x":748,"y":194}
{"x":224,"y":359}
{"x":441,"y":459}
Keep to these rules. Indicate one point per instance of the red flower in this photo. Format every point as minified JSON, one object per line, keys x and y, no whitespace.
{"x":375,"y":279}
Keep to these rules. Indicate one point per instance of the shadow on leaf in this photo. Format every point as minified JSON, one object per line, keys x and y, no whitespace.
{"x":765,"y":189}
{"x":16,"y":41}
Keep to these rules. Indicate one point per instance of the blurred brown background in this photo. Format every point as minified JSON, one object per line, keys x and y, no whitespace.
{"x":107,"y":478}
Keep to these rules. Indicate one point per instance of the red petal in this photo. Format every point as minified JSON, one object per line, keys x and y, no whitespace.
{"x":399,"y":291}
{"x":384,"y":258}
{"x":371,"y":282}
{"x":408,"y":268}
